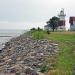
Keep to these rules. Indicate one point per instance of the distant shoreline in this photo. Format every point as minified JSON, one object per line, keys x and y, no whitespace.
{"x":5,"y":36}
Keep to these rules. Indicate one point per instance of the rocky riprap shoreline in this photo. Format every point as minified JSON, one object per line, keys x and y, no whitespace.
{"x":23,"y":53}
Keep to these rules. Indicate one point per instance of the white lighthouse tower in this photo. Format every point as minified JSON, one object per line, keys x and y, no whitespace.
{"x":61,"y":15}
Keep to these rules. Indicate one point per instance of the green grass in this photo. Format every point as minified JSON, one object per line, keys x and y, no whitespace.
{"x":66,"y":40}
{"x":66,"y":57}
{"x":38,"y":34}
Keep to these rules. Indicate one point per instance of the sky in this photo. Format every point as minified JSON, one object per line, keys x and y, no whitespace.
{"x":25,"y":14}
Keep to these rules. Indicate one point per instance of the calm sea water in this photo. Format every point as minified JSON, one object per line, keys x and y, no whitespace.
{"x":6,"y":35}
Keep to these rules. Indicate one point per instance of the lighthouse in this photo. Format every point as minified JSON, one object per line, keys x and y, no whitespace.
{"x":61,"y":24}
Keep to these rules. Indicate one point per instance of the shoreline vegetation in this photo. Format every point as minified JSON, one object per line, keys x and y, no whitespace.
{"x":62,"y":59}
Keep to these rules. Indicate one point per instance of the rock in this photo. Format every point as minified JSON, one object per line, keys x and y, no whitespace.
{"x":17,"y":74}
{"x":30,"y":72}
{"x":12,"y":70}
{"x":22,"y":52}
{"x":7,"y":44}
{"x":55,"y":44}
{"x":34,"y":73}
{"x":23,"y":74}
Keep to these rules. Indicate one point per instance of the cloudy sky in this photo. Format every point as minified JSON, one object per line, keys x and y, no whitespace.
{"x":23,"y":14}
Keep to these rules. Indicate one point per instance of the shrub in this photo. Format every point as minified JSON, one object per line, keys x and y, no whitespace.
{"x":48,"y":32}
{"x":38,"y":35}
{"x":32,"y":29}
{"x":44,"y":69}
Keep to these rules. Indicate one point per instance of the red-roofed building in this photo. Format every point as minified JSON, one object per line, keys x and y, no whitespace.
{"x":72,"y":22}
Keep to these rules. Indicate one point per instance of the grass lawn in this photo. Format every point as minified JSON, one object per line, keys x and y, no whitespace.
{"x":66,"y":40}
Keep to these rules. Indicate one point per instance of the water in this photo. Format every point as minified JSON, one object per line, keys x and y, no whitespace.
{"x":6,"y":35}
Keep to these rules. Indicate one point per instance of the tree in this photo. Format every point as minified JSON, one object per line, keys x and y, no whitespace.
{"x":53,"y":22}
{"x":32,"y":29}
